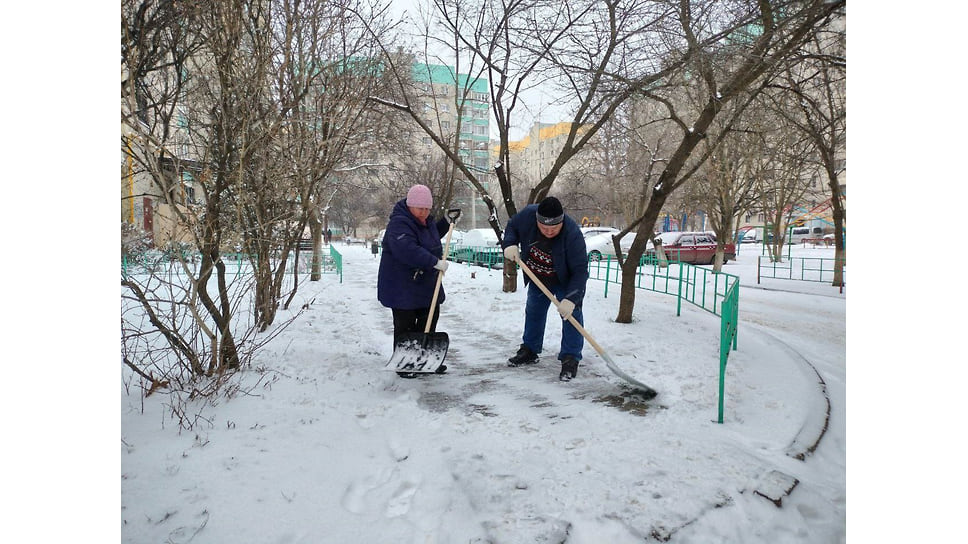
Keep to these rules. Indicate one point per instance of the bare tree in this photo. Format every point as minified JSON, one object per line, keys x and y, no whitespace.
{"x":783,"y":177}
{"x":811,"y":95}
{"x":731,"y":69}
{"x":724,"y":187}
{"x":243,"y":95}
{"x":599,"y":54}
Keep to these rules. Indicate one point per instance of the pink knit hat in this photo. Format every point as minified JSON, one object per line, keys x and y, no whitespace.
{"x":419,"y":197}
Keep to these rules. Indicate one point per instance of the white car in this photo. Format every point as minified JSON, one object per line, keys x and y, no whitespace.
{"x":601,"y":245}
{"x":750,"y":236}
{"x":478,"y":246}
{"x":588,"y":232}
{"x":456,"y":238}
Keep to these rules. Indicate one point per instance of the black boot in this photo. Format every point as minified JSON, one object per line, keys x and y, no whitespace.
{"x":569,"y":368}
{"x":524,"y":356}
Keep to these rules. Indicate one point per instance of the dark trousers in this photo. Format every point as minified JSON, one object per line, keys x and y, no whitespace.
{"x":407,"y":321}
{"x":536,"y":316}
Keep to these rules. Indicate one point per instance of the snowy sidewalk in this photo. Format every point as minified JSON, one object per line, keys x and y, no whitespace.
{"x":336,"y":449}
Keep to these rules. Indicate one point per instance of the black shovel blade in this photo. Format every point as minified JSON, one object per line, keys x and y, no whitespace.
{"x":419,"y":352}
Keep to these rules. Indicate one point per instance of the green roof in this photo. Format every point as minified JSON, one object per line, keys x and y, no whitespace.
{"x":436,"y":73}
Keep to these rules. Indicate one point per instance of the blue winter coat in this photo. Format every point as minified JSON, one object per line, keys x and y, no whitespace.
{"x":567,"y":250}
{"x":407,"y":276}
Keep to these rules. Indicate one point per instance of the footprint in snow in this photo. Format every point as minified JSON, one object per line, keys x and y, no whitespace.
{"x":355,"y":497}
{"x":399,"y":503}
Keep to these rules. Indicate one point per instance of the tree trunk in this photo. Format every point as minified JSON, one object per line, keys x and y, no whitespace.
{"x":316,"y":230}
{"x":839,"y":215}
{"x":718,"y":258}
{"x":631,"y":265}
{"x":510,"y":277}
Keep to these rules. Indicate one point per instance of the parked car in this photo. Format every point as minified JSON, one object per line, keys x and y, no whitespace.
{"x":588,"y":232}
{"x":691,"y":247}
{"x":600,"y":245}
{"x":456,"y":238}
{"x":478,"y":246}
{"x":830,"y":239}
{"x":799,"y":234}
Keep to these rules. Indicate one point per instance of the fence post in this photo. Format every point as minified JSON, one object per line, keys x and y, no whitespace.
{"x":715,"y":290}
{"x":679,"y":293}
{"x":608,"y":270}
{"x":735,"y":313}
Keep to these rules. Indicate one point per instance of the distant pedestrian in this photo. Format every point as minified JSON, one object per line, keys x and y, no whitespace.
{"x":553,"y":248}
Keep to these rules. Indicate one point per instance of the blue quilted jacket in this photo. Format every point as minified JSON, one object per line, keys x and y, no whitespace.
{"x":407,"y":276}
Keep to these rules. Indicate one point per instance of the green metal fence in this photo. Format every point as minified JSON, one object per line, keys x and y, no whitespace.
{"x":235,"y":263}
{"x":717,"y":293}
{"x":727,"y":338}
{"x":487,"y":256}
{"x":698,"y":286}
{"x":336,"y":260}
{"x":815,"y":269}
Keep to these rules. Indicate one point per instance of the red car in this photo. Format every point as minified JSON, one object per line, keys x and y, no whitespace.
{"x":692,"y":247}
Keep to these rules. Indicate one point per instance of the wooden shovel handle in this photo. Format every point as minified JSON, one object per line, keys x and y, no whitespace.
{"x":440,"y":278}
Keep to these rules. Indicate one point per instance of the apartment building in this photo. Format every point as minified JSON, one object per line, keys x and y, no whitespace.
{"x":457,"y":107}
{"x":155,"y":180}
{"x":536,"y":153}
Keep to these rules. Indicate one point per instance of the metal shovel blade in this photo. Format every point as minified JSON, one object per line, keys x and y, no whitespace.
{"x":418,"y":352}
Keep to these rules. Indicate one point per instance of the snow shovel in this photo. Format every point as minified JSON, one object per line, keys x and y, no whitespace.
{"x":423,"y":353}
{"x":646,"y":391}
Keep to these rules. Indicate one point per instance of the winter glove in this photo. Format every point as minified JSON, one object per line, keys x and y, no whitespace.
{"x":565,"y":308}
{"x":441,"y":265}
{"x":512,"y":253}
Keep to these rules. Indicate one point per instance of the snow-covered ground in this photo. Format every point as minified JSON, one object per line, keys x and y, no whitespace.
{"x":331,"y":447}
